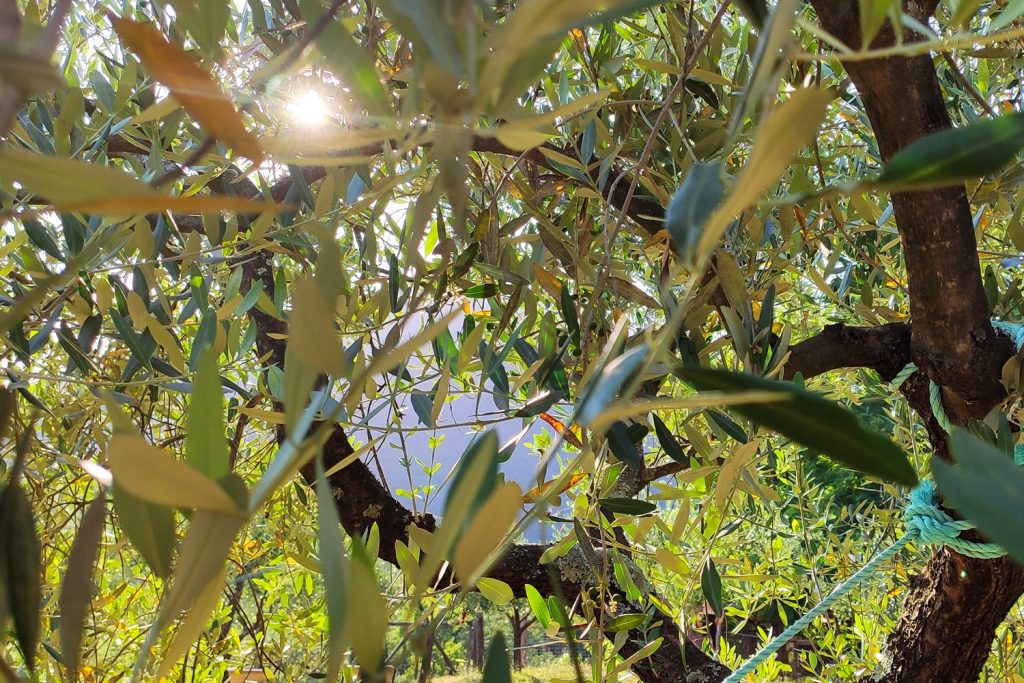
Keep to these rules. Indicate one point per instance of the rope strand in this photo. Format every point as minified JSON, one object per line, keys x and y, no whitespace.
{"x":926,"y":522}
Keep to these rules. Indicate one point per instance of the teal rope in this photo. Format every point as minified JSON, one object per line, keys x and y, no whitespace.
{"x":866,"y":572}
{"x":1012,"y":330}
{"x":935,"y":399}
{"x":934,"y":395}
{"x":903,"y":375}
{"x":934,"y":526}
{"x":926,"y":522}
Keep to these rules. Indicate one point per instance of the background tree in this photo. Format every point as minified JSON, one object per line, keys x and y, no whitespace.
{"x":250,"y":241}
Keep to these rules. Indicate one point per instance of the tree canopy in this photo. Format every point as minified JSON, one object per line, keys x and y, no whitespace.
{"x":323,"y":322}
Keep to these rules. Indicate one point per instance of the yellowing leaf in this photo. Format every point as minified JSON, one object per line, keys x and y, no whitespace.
{"x":488,"y":528}
{"x":193,"y":624}
{"x":789,"y":128}
{"x":66,"y":181}
{"x":153,"y":203}
{"x":627,"y":290}
{"x":730,"y":473}
{"x":560,"y":428}
{"x":152,"y":474}
{"x":189,"y":84}
{"x":311,"y":334}
{"x":268,"y":416}
{"x":72,"y":185}
{"x":157,"y":110}
{"x":537,"y":492}
{"x":165,"y":339}
{"x":520,"y":139}
{"x":548,"y":281}
{"x":137,"y":310}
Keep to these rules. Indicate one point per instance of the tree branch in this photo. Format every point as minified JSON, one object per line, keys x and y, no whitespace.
{"x":646,"y":213}
{"x":361,"y":501}
{"x":950,"y":614}
{"x":884,"y":349}
{"x":953,"y":339}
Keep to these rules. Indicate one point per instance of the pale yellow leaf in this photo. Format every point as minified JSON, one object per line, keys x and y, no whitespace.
{"x":489,"y":526}
{"x":193,"y":624}
{"x":190,"y":85}
{"x":549,"y":282}
{"x":137,"y":310}
{"x":520,"y":139}
{"x":672,"y":562}
{"x":153,"y":474}
{"x":729,"y":475}
{"x":311,"y":333}
{"x":793,"y":125}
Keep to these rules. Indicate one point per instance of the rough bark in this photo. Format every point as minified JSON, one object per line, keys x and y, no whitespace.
{"x":645,"y":213}
{"x":884,"y":349}
{"x":950,"y":613}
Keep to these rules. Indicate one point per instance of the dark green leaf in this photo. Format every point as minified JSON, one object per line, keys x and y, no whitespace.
{"x":132,"y":340}
{"x":572,"y":321}
{"x":702,"y":90}
{"x":623,"y":446}
{"x":484,"y":291}
{"x":539,"y":403}
{"x":394,"y":282}
{"x":754,"y":10}
{"x":149,"y":527}
{"x":583,"y":540}
{"x":987,"y":487}
{"x":692,"y":205}
{"x":812,"y":421}
{"x":40,"y":236}
{"x":668,"y":441}
{"x":727,"y":425}
{"x":625,"y":622}
{"x":20,"y":564}
{"x":711,"y":585}
{"x":8,"y":406}
{"x":205,"y":336}
{"x":627,"y":506}
{"x":206,"y":447}
{"x":76,"y":587}
{"x":464,"y":261}
{"x":497,"y":669}
{"x":424,"y":406}
{"x":445,"y":349}
{"x":956,"y":154}
{"x":587,"y":142}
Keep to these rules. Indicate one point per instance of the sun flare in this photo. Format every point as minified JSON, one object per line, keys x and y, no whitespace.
{"x":308,"y":109}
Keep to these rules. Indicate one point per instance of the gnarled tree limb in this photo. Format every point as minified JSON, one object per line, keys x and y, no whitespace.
{"x":950,"y":614}
{"x":361,"y":501}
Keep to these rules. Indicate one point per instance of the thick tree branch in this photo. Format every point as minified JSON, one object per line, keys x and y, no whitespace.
{"x":646,"y":213}
{"x":951,"y":612}
{"x":953,"y":340}
{"x":884,"y":349}
{"x":362,"y":501}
